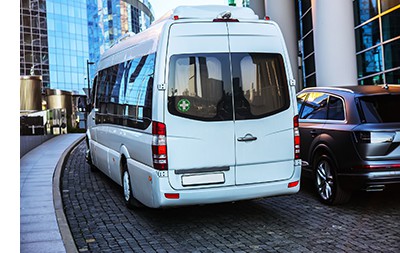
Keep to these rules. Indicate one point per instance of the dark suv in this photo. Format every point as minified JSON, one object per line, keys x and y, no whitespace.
{"x":350,"y":138}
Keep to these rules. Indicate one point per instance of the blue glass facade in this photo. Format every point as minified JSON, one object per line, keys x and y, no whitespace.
{"x":81,"y":30}
{"x":68,"y":43}
{"x":377,"y":41}
{"x":110,"y":19}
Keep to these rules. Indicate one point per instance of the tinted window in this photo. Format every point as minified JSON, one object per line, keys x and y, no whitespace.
{"x":335,"y":108}
{"x":259,"y":84}
{"x":315,"y":107}
{"x":380,"y":109}
{"x":300,"y":100}
{"x":124,"y":93}
{"x":199,"y":87}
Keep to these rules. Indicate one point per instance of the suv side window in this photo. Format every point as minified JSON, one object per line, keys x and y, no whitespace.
{"x":335,"y":108}
{"x":316,"y":106}
{"x":300,"y":101}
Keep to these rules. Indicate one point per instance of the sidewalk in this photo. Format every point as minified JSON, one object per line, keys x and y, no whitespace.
{"x":41,"y":230}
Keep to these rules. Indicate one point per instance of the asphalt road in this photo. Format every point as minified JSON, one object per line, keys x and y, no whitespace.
{"x":100,"y":222}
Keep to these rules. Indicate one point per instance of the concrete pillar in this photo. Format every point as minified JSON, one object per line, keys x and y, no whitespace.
{"x":284,"y":13}
{"x":258,"y":7}
{"x":334,"y":42}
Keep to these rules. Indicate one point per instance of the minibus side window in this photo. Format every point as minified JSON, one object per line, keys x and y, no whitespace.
{"x":124,"y":93}
{"x":199,"y":87}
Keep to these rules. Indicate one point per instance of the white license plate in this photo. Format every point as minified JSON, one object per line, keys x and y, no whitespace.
{"x":203,"y":179}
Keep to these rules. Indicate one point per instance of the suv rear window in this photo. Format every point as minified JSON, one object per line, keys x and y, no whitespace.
{"x":201,"y":86}
{"x":380,"y":108}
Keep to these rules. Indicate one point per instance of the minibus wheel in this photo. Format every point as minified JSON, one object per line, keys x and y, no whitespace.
{"x":88,"y":157}
{"x":129,"y":200}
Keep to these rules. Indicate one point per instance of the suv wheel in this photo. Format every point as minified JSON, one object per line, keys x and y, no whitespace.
{"x":328,"y":189}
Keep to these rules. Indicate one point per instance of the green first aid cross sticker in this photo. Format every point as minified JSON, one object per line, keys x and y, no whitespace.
{"x":183,"y":105}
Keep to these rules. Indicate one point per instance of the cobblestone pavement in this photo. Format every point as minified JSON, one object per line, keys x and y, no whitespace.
{"x":100,"y":222}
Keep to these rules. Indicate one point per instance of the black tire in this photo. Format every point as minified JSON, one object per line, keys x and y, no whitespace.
{"x":327,"y":186}
{"x":88,"y":157}
{"x":129,"y":200}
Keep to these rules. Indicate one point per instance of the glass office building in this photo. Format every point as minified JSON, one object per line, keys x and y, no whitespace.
{"x":68,"y":41}
{"x":111,"y":19}
{"x":34,"y":57}
{"x":59,"y":37}
{"x":377,"y":28}
{"x":363,"y":47}
{"x":377,"y":41}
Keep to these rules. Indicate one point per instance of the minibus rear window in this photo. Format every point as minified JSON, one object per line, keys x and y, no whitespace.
{"x":259,"y":84}
{"x":199,"y":87}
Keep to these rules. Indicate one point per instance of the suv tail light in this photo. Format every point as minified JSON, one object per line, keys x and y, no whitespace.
{"x":159,"y":146}
{"x":375,"y":137}
{"x":296,"y":137}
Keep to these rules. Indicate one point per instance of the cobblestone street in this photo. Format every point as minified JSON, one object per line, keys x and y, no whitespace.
{"x":100,"y":222}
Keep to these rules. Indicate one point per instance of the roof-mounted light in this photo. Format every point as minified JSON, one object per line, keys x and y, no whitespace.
{"x":225,"y":17}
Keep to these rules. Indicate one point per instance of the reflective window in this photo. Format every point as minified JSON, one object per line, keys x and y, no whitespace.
{"x":305,"y":5}
{"x":378,"y":79}
{"x":199,"y":87}
{"x":124,"y":93}
{"x":309,"y":65}
{"x":387,"y":4}
{"x":393,"y":77}
{"x":308,"y":44}
{"x":335,"y":108}
{"x":390,"y":25}
{"x":369,"y":62}
{"x":364,"y":10}
{"x":392,"y":54}
{"x":368,"y":35}
{"x":300,"y":100}
{"x":259,"y":84}
{"x":306,"y":23}
{"x":315,"y":107}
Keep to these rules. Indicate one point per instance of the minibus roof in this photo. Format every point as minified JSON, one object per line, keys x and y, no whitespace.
{"x":209,"y":12}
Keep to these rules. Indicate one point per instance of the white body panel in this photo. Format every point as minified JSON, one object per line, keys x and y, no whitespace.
{"x":206,"y":161}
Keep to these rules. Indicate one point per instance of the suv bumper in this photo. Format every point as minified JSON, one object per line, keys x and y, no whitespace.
{"x":373,"y":180}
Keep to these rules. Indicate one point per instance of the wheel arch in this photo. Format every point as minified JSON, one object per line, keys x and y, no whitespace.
{"x":323,"y":149}
{"x":123,"y":161}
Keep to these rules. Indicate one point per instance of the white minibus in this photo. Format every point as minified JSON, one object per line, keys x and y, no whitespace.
{"x":199,"y":108}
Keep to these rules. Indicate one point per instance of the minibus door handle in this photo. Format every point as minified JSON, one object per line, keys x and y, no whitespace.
{"x":247,"y":137}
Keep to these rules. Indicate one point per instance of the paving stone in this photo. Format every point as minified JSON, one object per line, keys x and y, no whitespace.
{"x":100,"y":222}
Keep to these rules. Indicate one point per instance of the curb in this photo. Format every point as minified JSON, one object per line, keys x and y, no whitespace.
{"x":63,"y":226}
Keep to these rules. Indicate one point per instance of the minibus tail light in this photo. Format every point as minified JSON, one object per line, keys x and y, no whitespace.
{"x":296,"y":137}
{"x":159,"y":146}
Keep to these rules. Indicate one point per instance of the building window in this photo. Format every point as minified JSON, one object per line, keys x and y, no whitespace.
{"x":377,"y":41}
{"x":307,"y":43}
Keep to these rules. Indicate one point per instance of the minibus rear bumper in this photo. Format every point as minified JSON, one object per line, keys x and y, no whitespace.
{"x":166,"y":196}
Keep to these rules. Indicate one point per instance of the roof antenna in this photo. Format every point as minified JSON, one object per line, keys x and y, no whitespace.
{"x":385,"y":86}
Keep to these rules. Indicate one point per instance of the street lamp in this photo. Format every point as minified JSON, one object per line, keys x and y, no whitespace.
{"x":88,"y":75}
